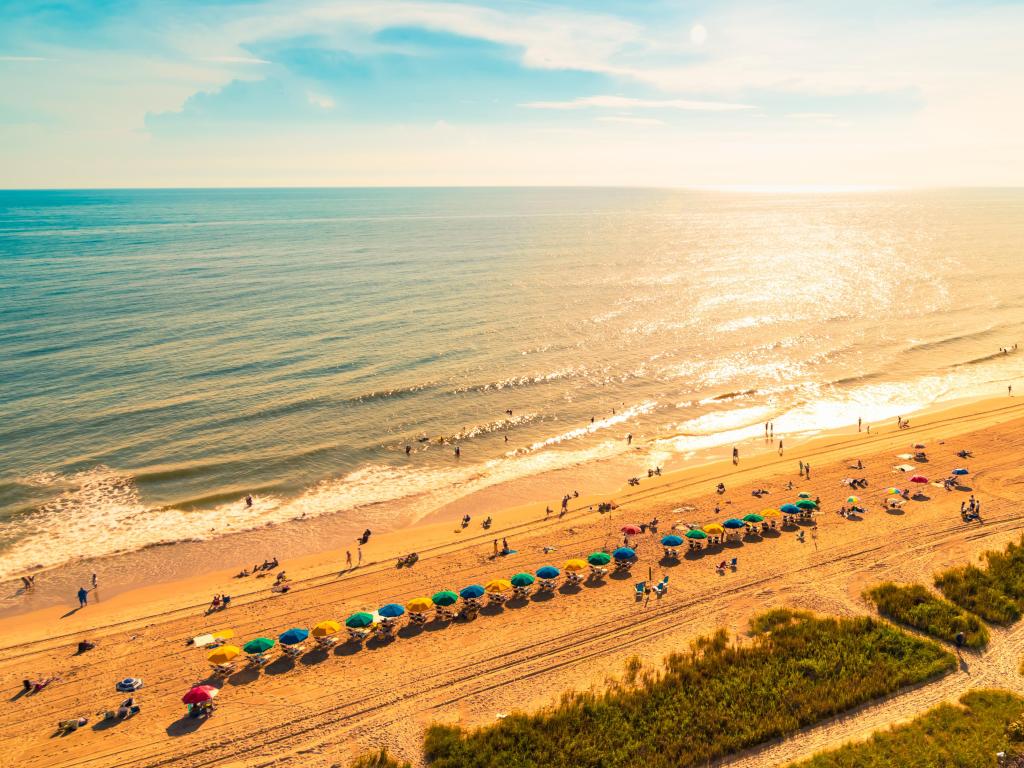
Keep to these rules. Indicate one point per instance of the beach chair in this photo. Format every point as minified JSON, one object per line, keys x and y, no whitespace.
{"x":473,"y":603}
{"x":223,"y":670}
{"x":671,"y":552}
{"x":293,"y":651}
{"x":358,"y":634}
{"x":385,"y":631}
{"x":573,"y":578}
{"x":521,"y":593}
{"x":661,"y":587}
{"x":623,"y":566}
{"x":732,"y":563}
{"x":326,"y":643}
{"x":547,"y":585}
{"x":444,"y":613}
{"x":496,"y":598}
{"x":258,"y":659}
{"x":598,"y":572}
{"x":640,"y":588}
{"x":417,"y":618}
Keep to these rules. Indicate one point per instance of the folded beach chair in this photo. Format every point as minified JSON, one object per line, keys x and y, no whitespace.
{"x":522,"y":592}
{"x":661,"y":587}
{"x":640,"y":587}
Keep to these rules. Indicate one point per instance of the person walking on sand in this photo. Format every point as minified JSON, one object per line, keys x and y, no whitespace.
{"x":348,"y":558}
{"x":780,"y":447}
{"x":801,"y":468}
{"x":359,"y":553}
{"x":735,"y":455}
{"x":495,"y":547}
{"x":94,"y":581}
{"x":629,"y":439}
{"x":83,"y":597}
{"x":408,"y":450}
{"x":504,"y":547}
{"x":458,"y":452}
{"x":807,"y":471}
{"x":858,"y":423}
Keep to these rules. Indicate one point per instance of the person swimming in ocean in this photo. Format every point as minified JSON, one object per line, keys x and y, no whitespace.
{"x":248,"y":500}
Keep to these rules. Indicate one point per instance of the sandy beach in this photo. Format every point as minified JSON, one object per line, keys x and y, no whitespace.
{"x":326,"y":708}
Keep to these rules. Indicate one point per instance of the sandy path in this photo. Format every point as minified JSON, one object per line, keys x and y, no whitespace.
{"x":328,"y":707}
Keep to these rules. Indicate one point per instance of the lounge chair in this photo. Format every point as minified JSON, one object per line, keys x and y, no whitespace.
{"x":640,"y":588}
{"x":547,"y":585}
{"x":572,"y":577}
{"x":326,"y":643}
{"x":473,"y":603}
{"x":293,"y":651}
{"x":661,"y":587}
{"x":223,"y":670}
{"x":258,"y":659}
{"x":417,"y":618}
{"x":671,"y":552}
{"x":598,"y":572}
{"x":521,"y":593}
{"x":623,"y":565}
{"x":358,"y":634}
{"x":385,"y":631}
{"x":65,"y":727}
{"x":444,"y":613}
{"x":496,"y":598}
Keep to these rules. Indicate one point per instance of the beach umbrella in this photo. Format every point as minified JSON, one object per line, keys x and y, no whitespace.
{"x":807,"y":504}
{"x":497,"y":586}
{"x":853,"y":499}
{"x":753,"y":517}
{"x":199,"y":694}
{"x":224,"y":654}
{"x":631,"y":530}
{"x":293,"y":636}
{"x":919,"y":479}
{"x":548,"y":572}
{"x":472,"y":592}
{"x":325,"y":628}
{"x":713,"y":529}
{"x":522,"y":580}
{"x":804,"y":495}
{"x":696,"y":534}
{"x":599,"y":558}
{"x":359,"y":620}
{"x":259,"y":645}
{"x":789,"y":509}
{"x":733,"y":523}
{"x":227,"y":634}
{"x":576,"y":565}
{"x":769,"y":512}
{"x":391,"y":611}
{"x":445,"y":598}
{"x":624,"y":553}
{"x":671,"y":540}
{"x":961,"y":471}
{"x":894,"y":492}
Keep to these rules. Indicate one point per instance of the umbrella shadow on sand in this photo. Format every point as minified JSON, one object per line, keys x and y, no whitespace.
{"x":618,"y":575}
{"x":244,"y":676}
{"x":347,"y":649}
{"x":410,"y":630}
{"x":542,"y":596}
{"x":668,"y":561}
{"x":963,"y":488}
{"x":517,"y":602}
{"x":313,"y":657}
{"x":570,"y":589}
{"x":436,"y":625}
{"x":280,"y":665}
{"x":921,"y":497}
{"x":771,"y":533}
{"x":185,"y":726}
{"x":895,"y":511}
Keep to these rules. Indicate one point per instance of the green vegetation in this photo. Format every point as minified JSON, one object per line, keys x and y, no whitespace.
{"x":994,"y":592}
{"x":948,"y":735}
{"x":378,"y":760}
{"x":717,"y":699}
{"x":916,"y":607}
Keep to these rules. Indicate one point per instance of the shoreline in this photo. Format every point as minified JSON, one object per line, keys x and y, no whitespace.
{"x":439,"y":532}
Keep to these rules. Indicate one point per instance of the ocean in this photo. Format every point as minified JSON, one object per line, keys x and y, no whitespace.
{"x":165,"y":353}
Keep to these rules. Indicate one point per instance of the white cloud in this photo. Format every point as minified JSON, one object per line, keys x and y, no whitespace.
{"x":811,"y":116}
{"x":625,"y":102}
{"x":23,"y":58}
{"x":698,"y":34}
{"x":236,"y":60}
{"x":628,"y":120}
{"x":318,"y":100}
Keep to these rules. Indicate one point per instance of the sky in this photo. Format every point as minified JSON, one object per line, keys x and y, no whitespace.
{"x":738,"y":93}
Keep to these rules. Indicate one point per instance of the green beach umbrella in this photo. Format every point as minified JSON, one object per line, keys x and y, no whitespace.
{"x":804,"y":495}
{"x":259,"y":645}
{"x":445,"y":598}
{"x":522,"y":580}
{"x":696,"y":534}
{"x":753,"y":517}
{"x":599,"y":558}
{"x":806,"y":504}
{"x":359,"y":620}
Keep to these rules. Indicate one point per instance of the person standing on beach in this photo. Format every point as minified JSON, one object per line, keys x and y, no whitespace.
{"x":94,"y":581}
{"x":735,"y":455}
{"x":83,"y":597}
{"x":348,"y":558}
{"x":771,"y":429}
{"x":458,"y":452}
{"x":807,"y":471}
{"x":801,"y":468}
{"x":629,"y":439}
{"x":359,"y":551}
{"x":780,"y":447}
{"x":858,"y":423}
{"x":408,"y":450}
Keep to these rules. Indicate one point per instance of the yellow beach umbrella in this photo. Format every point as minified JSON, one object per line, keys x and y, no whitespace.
{"x":224,"y":654}
{"x":325,"y":628}
{"x":713,"y":529}
{"x":576,"y":565}
{"x":419,"y":605}
{"x":497,"y":585}
{"x":769,"y":512}
{"x":224,"y":634}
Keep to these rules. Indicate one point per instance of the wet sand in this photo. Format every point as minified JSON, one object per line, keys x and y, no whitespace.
{"x":328,"y":707}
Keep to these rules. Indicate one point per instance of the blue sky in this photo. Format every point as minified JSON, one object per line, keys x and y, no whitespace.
{"x":664,"y":93}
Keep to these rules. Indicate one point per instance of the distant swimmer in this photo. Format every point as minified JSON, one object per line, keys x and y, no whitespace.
{"x":780,"y":447}
{"x":248,"y":500}
{"x":458,"y":452}
{"x":408,"y":450}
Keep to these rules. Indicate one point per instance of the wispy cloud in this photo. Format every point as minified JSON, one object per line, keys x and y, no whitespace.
{"x":236,"y":60}
{"x":811,"y":116}
{"x":628,"y":120}
{"x":625,"y":102}
{"x":23,"y":58}
{"x":318,"y":100}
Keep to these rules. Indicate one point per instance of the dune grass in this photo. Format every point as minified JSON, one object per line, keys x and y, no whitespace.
{"x":968,"y":735}
{"x":995,"y":591}
{"x":716,"y":699}
{"x":378,"y":760}
{"x":916,"y":607}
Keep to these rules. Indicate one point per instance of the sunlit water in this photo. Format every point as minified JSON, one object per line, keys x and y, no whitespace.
{"x":163,"y":353}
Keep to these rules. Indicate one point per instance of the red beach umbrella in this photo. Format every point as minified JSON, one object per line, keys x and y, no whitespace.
{"x":919,"y":479}
{"x":199,"y":694}
{"x":631,"y":530}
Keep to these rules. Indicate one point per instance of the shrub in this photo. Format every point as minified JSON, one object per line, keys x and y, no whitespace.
{"x":994,"y":592}
{"x":916,"y":607}
{"x":378,"y":760}
{"x":716,"y":699}
{"x":968,"y":735}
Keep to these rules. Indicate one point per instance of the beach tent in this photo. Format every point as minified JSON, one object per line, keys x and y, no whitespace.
{"x":671,"y":540}
{"x":576,"y":565}
{"x":325,"y":628}
{"x":445,"y":598}
{"x":548,"y":572}
{"x":472,"y":592}
{"x":631,"y":530}
{"x":200,"y":694}
{"x":259,"y":645}
{"x":522,"y":580}
{"x":224,"y":654}
{"x":359,"y":620}
{"x":789,"y":509}
{"x":391,"y":611}
{"x":753,"y":517}
{"x":497,"y":586}
{"x":293,"y":636}
{"x":733,"y":524}
{"x":624,"y":553}
{"x":853,"y":499}
{"x":713,"y":529}
{"x":696,"y":534}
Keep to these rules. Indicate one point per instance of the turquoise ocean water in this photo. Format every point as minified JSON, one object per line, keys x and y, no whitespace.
{"x":164,"y":353}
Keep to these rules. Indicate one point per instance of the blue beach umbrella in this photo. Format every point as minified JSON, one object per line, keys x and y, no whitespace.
{"x":472,"y":592}
{"x":961,"y":471}
{"x":789,"y":509}
{"x":671,"y":540}
{"x":391,"y":611}
{"x":548,"y":572}
{"x":293,"y":636}
{"x":733,"y":523}
{"x":624,"y":553}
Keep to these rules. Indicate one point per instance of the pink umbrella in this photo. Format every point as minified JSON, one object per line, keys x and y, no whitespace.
{"x":919,"y":479}
{"x":631,"y":530}
{"x":199,"y":694}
